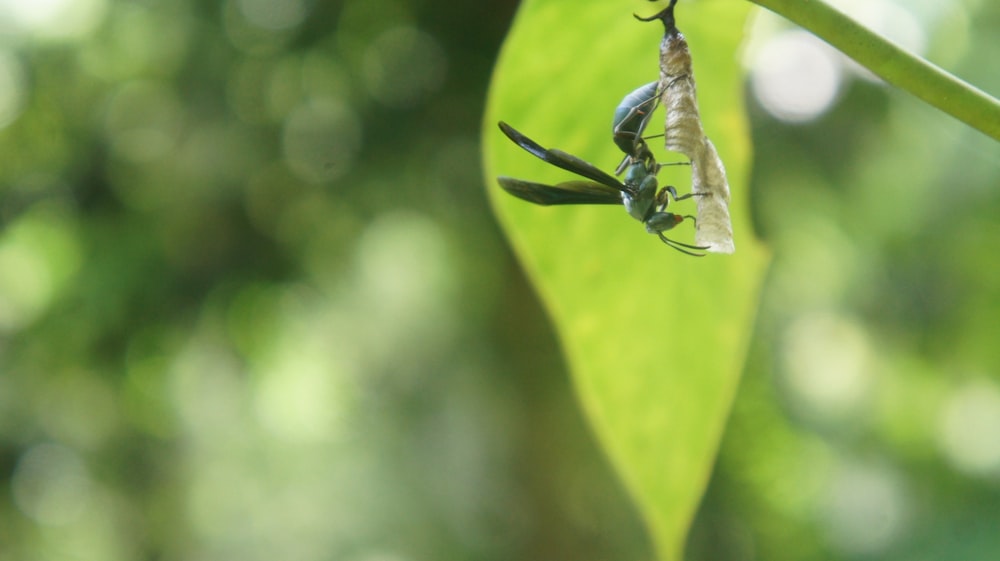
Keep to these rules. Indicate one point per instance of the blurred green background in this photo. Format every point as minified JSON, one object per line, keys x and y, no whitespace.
{"x":253,"y":304}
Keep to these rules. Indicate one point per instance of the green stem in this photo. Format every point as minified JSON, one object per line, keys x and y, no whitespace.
{"x":894,"y":65}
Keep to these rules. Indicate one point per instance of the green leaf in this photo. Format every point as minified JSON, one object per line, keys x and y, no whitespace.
{"x":655,"y":339}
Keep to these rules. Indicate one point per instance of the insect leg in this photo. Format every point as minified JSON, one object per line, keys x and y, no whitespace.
{"x":662,"y":197}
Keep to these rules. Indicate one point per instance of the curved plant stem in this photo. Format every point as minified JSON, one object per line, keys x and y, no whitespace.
{"x":894,"y":65}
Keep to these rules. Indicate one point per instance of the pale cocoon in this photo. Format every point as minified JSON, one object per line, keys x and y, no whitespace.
{"x":683,"y":133}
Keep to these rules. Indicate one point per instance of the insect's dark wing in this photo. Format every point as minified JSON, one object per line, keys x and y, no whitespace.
{"x":569,"y":162}
{"x":561,"y":159}
{"x":567,"y":193}
{"x":523,"y":141}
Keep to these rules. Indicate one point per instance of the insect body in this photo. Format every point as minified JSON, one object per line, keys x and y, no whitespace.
{"x":631,"y":117}
{"x":683,"y":133}
{"x":637,"y":193}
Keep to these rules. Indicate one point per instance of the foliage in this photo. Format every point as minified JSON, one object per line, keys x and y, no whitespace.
{"x":254,"y":303}
{"x":636,"y":400}
{"x":655,"y":339}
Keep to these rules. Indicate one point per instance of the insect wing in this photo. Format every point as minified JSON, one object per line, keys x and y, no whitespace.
{"x":567,"y":193}
{"x":523,"y":141}
{"x":569,"y":162}
{"x":561,"y":159}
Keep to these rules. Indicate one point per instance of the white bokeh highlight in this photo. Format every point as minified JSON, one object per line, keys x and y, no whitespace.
{"x":969,"y":429}
{"x":795,"y":76}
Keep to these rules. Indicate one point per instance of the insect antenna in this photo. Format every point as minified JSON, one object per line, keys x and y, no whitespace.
{"x":679,"y":246}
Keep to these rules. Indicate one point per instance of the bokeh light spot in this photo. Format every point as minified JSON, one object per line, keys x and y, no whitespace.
{"x":273,"y":14}
{"x":795,"y":76}
{"x":304,"y":378}
{"x":403,"y":65}
{"x":403,"y":265}
{"x":890,"y":20}
{"x":865,"y":509}
{"x":301,"y":397}
{"x":893,"y":21}
{"x":321,"y":140}
{"x":249,"y":25}
{"x":13,"y":88}
{"x":404,"y":290}
{"x":969,"y":429}
{"x":826,"y":360}
{"x":123,"y":50}
{"x":54,"y":19}
{"x":50,"y":484}
{"x":143,"y":121}
{"x":38,"y":255}
{"x":207,"y":385}
{"x":818,"y":260}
